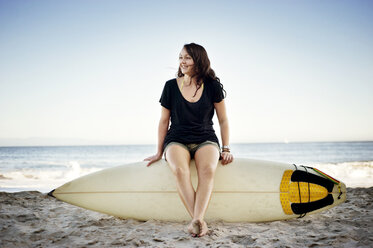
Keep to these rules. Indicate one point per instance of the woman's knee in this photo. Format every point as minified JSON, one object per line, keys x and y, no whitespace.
{"x":206,"y":171}
{"x":181,"y":172}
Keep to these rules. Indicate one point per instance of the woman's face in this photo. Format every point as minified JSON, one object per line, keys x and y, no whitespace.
{"x":186,"y":63}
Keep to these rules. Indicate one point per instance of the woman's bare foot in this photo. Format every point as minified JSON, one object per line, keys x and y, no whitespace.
{"x":198,"y":228}
{"x":203,"y":229}
{"x":194,"y":228}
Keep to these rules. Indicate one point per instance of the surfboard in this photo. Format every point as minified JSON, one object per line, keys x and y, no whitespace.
{"x":245,"y":190}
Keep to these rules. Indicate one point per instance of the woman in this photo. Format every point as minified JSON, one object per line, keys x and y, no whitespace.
{"x":189,"y":101}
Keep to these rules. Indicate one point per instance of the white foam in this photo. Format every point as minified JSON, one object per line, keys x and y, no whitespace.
{"x":44,"y":179}
{"x":353,"y":174}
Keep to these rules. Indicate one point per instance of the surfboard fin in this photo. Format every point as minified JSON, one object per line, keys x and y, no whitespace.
{"x":51,"y":193}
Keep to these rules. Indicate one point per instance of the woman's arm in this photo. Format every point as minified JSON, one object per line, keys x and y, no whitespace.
{"x":164,"y":121}
{"x":224,"y":130}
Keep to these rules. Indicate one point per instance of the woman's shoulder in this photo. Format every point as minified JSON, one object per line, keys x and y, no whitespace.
{"x":216,"y":90}
{"x":214,"y":83}
{"x":170,"y":83}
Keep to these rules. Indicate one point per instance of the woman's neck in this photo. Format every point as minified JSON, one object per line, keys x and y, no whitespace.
{"x":188,"y":80}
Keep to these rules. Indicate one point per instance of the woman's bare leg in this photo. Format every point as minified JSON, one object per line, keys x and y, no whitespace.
{"x":178,"y":159}
{"x":206,"y":159}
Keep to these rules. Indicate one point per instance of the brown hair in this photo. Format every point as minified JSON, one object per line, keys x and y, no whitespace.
{"x":202,"y":69}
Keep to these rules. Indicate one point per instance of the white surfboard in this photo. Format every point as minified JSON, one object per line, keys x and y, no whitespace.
{"x":245,"y":190}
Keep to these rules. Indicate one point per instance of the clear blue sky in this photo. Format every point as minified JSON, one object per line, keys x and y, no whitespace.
{"x":92,"y":72}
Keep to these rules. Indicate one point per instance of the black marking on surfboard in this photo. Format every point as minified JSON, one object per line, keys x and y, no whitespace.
{"x":303,"y":208}
{"x":302,"y":176}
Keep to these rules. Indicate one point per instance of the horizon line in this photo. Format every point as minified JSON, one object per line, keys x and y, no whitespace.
{"x":154,"y":144}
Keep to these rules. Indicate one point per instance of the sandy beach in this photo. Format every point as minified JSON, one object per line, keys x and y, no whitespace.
{"x":33,"y":219}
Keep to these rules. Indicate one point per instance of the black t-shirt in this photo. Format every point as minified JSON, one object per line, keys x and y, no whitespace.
{"x":191,"y":123}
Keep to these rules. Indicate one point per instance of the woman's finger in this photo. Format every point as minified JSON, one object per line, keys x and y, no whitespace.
{"x":222,"y":158}
{"x":226,"y":158}
{"x":150,"y":162}
{"x":230,"y":158}
{"x":153,"y":159}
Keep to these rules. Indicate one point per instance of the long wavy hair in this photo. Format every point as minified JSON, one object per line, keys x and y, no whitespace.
{"x":202,"y":69}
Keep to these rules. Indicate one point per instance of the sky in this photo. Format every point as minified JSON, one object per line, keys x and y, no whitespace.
{"x":92,"y":72}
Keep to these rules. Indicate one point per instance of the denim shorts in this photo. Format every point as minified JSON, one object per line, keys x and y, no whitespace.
{"x":192,"y":148}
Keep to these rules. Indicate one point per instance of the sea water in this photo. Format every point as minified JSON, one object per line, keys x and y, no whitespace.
{"x":45,"y":168}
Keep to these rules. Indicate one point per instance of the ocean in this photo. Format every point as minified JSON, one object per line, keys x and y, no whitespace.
{"x":44,"y":168}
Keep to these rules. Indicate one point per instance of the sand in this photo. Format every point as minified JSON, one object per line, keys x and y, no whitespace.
{"x":33,"y":219}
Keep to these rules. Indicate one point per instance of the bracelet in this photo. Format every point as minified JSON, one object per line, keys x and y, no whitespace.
{"x":226,"y":149}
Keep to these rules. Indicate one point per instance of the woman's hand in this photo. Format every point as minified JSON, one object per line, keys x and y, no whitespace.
{"x":153,"y":158}
{"x":226,"y":158}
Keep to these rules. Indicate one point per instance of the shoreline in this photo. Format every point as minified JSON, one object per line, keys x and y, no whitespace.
{"x":34,"y":219}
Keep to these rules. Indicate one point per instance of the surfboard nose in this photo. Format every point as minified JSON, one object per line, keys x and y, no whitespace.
{"x":339,"y":193}
{"x":307,"y":189}
{"x":51,"y":193}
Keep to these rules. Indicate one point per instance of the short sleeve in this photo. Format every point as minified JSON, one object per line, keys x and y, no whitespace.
{"x":218,"y":94}
{"x":165,"y":99}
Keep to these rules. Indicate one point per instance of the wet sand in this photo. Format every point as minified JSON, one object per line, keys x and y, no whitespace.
{"x":33,"y":219}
